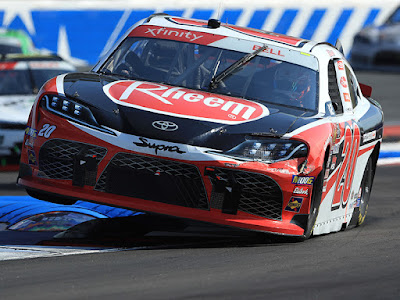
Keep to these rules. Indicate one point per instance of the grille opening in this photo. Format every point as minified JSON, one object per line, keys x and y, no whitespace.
{"x":258,"y":194}
{"x":56,"y":157}
{"x":154,"y":179}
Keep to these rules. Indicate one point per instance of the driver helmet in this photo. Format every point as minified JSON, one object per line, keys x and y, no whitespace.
{"x":293,"y":81}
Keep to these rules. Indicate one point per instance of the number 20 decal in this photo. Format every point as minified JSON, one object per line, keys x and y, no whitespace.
{"x":344,"y":180}
{"x":47,"y":130}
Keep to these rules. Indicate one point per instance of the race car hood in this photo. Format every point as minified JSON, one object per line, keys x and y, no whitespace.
{"x":178,"y":114}
{"x":15,"y":108}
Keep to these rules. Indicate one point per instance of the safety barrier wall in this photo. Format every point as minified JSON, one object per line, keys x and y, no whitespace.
{"x":86,"y":29}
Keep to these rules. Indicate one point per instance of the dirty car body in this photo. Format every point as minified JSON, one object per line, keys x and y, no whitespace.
{"x":221,"y":124}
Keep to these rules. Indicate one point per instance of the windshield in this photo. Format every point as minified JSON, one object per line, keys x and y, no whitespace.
{"x":6,"y":49}
{"x":194,"y":66}
{"x":21,"y":82}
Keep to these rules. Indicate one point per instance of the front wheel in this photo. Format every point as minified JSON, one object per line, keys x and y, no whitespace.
{"x":365,"y":192}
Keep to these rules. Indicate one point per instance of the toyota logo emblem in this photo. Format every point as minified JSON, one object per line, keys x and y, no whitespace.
{"x":165,"y":125}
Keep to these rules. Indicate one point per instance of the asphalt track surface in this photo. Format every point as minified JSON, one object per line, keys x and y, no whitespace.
{"x":360,"y":263}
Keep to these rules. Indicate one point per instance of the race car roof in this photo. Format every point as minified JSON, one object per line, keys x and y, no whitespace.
{"x":227,"y":30}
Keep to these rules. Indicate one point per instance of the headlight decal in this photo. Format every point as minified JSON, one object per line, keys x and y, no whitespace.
{"x":72,"y":110}
{"x":268,"y":150}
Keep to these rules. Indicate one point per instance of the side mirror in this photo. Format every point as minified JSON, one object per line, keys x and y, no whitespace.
{"x":335,"y":106}
{"x":366,"y":90}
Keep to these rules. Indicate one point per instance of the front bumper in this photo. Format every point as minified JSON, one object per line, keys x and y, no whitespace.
{"x":75,"y":162}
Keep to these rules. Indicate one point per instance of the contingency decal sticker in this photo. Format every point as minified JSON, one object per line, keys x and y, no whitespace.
{"x":294,"y":204}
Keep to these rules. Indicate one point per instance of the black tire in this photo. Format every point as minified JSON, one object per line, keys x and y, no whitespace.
{"x":315,"y":201}
{"x":366,"y":186}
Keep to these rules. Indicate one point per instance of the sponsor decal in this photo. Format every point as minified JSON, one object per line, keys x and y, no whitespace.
{"x":346,"y":97}
{"x":29,"y":131}
{"x":300,"y":191}
{"x":29,"y":142}
{"x":32,"y":157}
{"x":343,"y":81}
{"x":279,"y":170}
{"x":330,"y":52}
{"x":335,"y":149}
{"x":184,"y":103}
{"x":269,"y":50}
{"x":336,"y":133}
{"x":369,"y":136}
{"x":165,"y":125}
{"x":303,"y":180}
{"x":47,"y":130}
{"x":340,"y":65}
{"x":176,"y":34}
{"x":189,"y":35}
{"x":158,"y":147}
{"x":294,"y":204}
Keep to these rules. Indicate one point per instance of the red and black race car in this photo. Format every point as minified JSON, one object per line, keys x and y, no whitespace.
{"x":210,"y":122}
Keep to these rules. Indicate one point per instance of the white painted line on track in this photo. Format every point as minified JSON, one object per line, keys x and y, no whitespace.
{"x":25,"y":252}
{"x":389,"y":161}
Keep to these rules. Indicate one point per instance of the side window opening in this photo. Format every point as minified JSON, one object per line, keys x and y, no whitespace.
{"x":352,"y":87}
{"x":333,"y":88}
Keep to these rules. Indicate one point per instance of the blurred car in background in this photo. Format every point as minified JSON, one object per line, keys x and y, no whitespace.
{"x":378,"y":47}
{"x":21,"y":77}
{"x":15,"y":41}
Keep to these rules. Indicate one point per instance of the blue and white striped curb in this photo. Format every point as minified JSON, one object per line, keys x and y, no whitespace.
{"x":389,"y":154}
{"x":16,"y":208}
{"x":86,"y":29}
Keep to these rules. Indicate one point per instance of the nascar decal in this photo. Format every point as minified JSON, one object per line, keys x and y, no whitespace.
{"x":176,"y":34}
{"x":184,"y":103}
